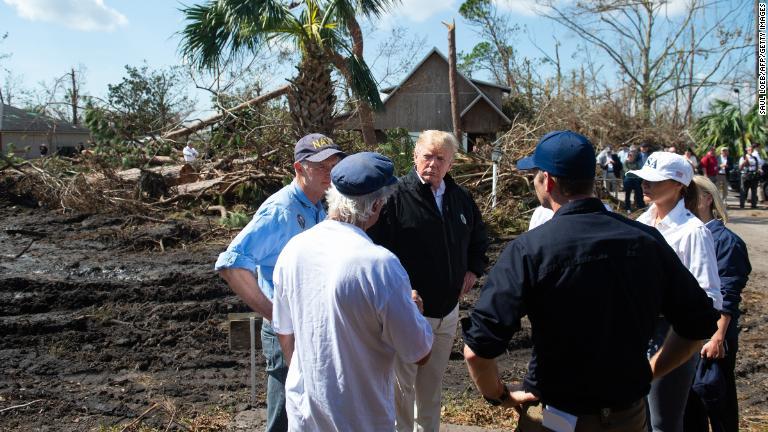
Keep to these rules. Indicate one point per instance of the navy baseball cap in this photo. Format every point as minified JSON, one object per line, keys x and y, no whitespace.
{"x":563,"y":154}
{"x":315,"y":148}
{"x":363,"y":173}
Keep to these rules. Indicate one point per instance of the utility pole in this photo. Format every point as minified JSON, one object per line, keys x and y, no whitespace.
{"x":73,"y":97}
{"x":453,"y":81}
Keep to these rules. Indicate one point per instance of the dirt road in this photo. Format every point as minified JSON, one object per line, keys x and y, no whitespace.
{"x":105,"y":320}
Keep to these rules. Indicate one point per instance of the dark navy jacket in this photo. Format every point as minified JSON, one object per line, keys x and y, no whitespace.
{"x":591,"y":321}
{"x":436,"y":249}
{"x":733,"y":267}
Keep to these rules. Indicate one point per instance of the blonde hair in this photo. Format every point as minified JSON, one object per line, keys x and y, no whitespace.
{"x":717,"y":208}
{"x":438,"y":138}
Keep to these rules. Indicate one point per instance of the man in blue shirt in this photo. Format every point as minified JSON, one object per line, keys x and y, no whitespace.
{"x":249,"y":261}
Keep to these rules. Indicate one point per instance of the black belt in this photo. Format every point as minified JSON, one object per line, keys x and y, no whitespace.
{"x":602,"y":412}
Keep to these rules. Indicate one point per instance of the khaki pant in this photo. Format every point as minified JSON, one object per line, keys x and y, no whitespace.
{"x":722,"y":185}
{"x":632,"y":419}
{"x":418,"y":388}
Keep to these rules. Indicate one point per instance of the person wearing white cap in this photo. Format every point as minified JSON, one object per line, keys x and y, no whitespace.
{"x":667,"y":187}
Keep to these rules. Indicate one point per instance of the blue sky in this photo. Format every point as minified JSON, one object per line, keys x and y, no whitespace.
{"x":48,"y":37}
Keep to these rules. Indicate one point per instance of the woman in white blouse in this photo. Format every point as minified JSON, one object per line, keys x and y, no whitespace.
{"x":667,"y":187}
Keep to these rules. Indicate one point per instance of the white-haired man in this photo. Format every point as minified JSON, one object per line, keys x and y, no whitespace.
{"x":435,"y":228}
{"x":343,"y":309}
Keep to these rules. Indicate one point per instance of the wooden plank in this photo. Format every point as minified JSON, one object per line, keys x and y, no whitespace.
{"x":240,"y":330}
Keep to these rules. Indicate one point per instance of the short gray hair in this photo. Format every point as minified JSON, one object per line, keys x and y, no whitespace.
{"x":356,"y":210}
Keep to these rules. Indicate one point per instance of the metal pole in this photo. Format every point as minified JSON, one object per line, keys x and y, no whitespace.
{"x":253,"y":362}
{"x":495,"y":179}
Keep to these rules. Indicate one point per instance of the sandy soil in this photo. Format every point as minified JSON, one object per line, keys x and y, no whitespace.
{"x":104,"y":317}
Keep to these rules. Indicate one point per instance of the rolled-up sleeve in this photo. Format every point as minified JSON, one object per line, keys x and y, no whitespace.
{"x":258,"y":240}
{"x":496,"y":317}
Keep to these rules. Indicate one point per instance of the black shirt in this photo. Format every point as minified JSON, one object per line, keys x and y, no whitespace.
{"x":592,"y":283}
{"x":436,"y":248}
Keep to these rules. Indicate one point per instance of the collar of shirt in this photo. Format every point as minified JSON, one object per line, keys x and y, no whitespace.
{"x":438,"y":194}
{"x":678,"y":216}
{"x":301,"y":197}
{"x":714,"y":225}
{"x":585,"y":205}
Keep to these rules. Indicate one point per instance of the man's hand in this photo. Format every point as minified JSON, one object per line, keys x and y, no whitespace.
{"x":518,"y":396}
{"x":469,"y":281}
{"x":417,"y":299}
{"x":713,"y":349}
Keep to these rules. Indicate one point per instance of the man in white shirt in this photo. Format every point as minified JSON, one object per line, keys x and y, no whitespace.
{"x":190,"y":154}
{"x":344,"y":309}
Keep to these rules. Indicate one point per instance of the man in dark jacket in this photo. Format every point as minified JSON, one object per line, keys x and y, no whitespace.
{"x":590,"y":324}
{"x":435,"y":228}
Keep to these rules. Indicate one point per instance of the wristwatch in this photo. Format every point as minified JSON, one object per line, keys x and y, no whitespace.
{"x":501,"y":399}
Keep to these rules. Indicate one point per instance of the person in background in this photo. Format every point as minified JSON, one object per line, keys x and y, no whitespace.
{"x":343,"y":309}
{"x":750,"y":168}
{"x":671,"y":149}
{"x":668,"y":187}
{"x":436,"y":230}
{"x":190,"y":154}
{"x":43,"y":149}
{"x":633,"y":184}
{"x":724,"y":166}
{"x":540,"y":215}
{"x":622,"y":153}
{"x":734,"y":268}
{"x":709,"y":165}
{"x":249,"y":261}
{"x":611,"y":166}
{"x":645,"y":151}
{"x":590,"y":323}
{"x":691,"y":158}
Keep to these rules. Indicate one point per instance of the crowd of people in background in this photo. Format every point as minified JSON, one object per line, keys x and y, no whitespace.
{"x":717,"y":165}
{"x":360,"y":295}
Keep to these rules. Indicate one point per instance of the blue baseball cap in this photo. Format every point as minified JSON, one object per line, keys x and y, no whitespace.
{"x":363,"y":173}
{"x":563,"y":154}
{"x":315,"y":148}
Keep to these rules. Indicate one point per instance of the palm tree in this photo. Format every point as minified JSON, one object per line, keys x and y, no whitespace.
{"x":321,"y":31}
{"x":726,"y":126}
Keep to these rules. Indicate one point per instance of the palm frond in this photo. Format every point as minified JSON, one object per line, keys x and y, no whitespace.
{"x":362,"y":83}
{"x":229,"y":27}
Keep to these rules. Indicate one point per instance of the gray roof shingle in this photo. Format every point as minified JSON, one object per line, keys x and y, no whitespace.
{"x":17,"y":120}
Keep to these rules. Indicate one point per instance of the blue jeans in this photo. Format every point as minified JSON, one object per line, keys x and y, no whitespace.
{"x":669,"y":394}
{"x":277,"y":370}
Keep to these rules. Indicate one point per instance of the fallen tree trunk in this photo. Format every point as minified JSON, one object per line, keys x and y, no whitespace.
{"x":172,"y":175}
{"x":187,"y":130}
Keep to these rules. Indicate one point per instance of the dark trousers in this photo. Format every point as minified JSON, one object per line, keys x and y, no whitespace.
{"x":633,"y":184}
{"x":725,"y":416}
{"x":632,"y":419}
{"x":748,"y":184}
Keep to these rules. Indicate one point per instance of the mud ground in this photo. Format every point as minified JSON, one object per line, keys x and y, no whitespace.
{"x":106,"y":317}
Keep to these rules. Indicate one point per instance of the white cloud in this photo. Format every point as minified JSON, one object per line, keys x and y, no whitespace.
{"x":676,"y":7}
{"x":416,"y":11}
{"x":84,"y":15}
{"x":520,"y":7}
